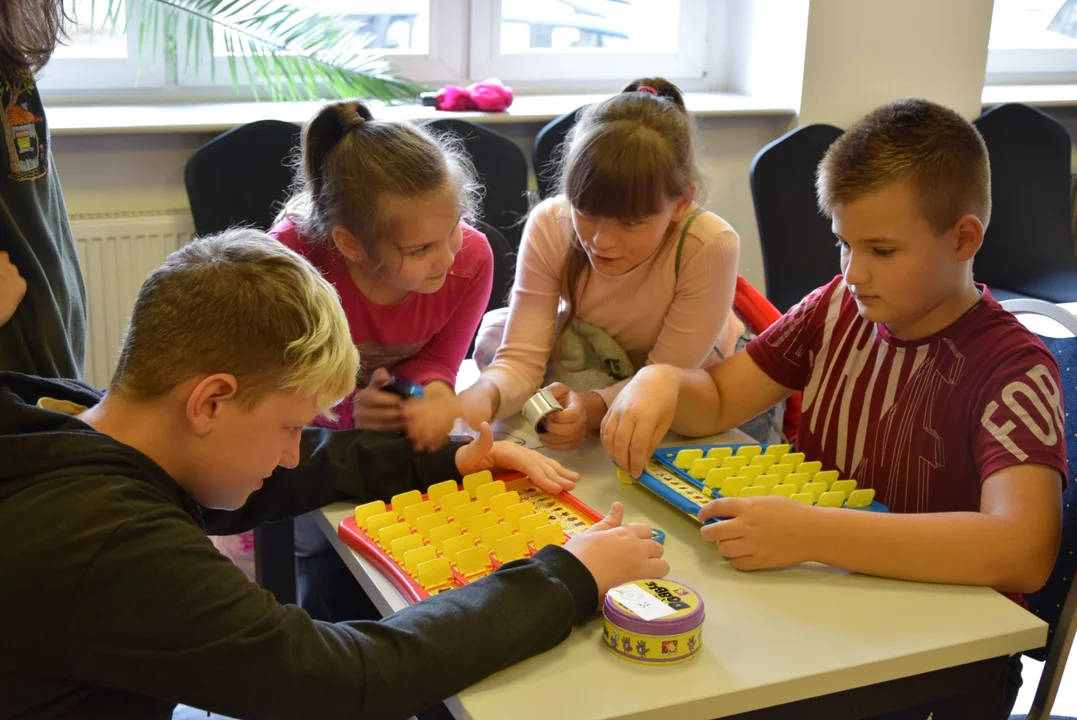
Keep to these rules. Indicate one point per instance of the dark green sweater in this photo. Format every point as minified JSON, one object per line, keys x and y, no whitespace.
{"x":47,"y":334}
{"x":114,"y":603}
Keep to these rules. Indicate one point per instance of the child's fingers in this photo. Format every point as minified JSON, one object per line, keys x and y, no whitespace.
{"x":656,"y":567}
{"x":385,"y":400}
{"x":640,"y":530}
{"x":569,"y":416}
{"x":613,"y":517}
{"x":723,"y":531}
{"x":379,"y":379}
{"x":735,"y":548}
{"x":721,"y":508}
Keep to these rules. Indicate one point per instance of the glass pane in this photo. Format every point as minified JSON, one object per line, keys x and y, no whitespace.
{"x":89,"y":37}
{"x":621,"y":26}
{"x":392,"y":26}
{"x":1024,"y":24}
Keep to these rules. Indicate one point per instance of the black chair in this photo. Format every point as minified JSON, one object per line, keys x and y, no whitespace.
{"x":239,"y":178}
{"x":545,"y":153}
{"x":1056,"y":602}
{"x":798,"y":245}
{"x":1028,"y":248}
{"x":502,"y":169}
{"x":504,"y":269}
{"x":504,"y":265}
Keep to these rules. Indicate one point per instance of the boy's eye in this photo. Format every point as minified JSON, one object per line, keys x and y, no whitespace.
{"x":419,"y":250}
{"x":884,"y":252}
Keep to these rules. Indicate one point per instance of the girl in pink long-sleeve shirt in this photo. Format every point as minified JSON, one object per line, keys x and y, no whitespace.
{"x":377,"y":210}
{"x":625,"y":248}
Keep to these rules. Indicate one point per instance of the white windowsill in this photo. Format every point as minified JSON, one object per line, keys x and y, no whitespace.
{"x":1036,"y":95}
{"x":218,"y":117}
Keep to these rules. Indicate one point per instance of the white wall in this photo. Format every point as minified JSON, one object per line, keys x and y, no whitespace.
{"x":863,"y":53}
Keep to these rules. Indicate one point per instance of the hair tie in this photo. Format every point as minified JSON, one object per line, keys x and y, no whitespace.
{"x":647,"y":89}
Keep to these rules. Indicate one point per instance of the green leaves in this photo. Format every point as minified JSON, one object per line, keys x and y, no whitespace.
{"x":285,"y":51}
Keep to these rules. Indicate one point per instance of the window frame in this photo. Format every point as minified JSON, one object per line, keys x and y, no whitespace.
{"x":560,"y":70}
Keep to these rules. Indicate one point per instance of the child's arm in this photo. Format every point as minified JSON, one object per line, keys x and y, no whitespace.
{"x":693,"y":403}
{"x":1010,"y":545}
{"x":520,"y":363}
{"x":159,"y":612}
{"x":364,"y":466}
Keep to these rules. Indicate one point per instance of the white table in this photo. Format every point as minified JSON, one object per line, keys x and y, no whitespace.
{"x":770,"y":637}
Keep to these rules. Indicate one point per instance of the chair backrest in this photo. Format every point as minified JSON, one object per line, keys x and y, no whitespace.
{"x":1056,"y":602}
{"x":798,"y":246}
{"x":502,"y":169}
{"x":1028,"y":247}
{"x":504,"y":264}
{"x":240,"y":176}
{"x":545,"y":153}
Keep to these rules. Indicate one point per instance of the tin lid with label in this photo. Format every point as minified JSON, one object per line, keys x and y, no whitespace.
{"x":654,"y":607}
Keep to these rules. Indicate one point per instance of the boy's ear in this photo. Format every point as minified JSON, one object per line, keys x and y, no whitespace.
{"x":204,"y":404}
{"x":968,"y":236}
{"x":347,"y":244}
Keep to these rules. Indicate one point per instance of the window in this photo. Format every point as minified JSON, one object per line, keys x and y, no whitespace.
{"x":527,"y":41}
{"x":1032,"y":41}
{"x":531,"y":44}
{"x":422,"y":39}
{"x":94,"y":58}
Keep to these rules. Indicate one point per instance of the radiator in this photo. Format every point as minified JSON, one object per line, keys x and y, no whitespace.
{"x":117,"y":251}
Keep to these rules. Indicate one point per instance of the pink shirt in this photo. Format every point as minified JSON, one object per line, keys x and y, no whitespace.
{"x":655,"y":314}
{"x":924,"y":422}
{"x":423,"y":338}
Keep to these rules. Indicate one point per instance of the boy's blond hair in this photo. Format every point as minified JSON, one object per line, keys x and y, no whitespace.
{"x":933,"y":147}
{"x":240,"y":303}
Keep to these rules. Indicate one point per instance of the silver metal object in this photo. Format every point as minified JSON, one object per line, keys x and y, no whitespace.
{"x":538,"y":407}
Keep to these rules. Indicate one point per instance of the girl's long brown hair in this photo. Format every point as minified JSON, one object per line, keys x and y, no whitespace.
{"x":625,"y":158}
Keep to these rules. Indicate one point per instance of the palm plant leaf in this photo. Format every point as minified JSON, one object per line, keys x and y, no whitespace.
{"x":291,"y":52}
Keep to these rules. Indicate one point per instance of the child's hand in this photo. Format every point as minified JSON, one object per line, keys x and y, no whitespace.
{"x":485,"y":454}
{"x":639,"y":418}
{"x":565,"y":428}
{"x":430,"y":421}
{"x":377,"y":410}
{"x":763,"y":532}
{"x":12,"y":288}
{"x":616,"y":553}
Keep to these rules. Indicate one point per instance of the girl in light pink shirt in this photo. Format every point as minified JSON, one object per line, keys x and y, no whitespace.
{"x":625,"y":248}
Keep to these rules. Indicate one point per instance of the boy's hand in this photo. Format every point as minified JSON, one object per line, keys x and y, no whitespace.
{"x":639,"y":418}
{"x":429,"y":421}
{"x":12,"y":288}
{"x":377,"y":410}
{"x":485,"y":454}
{"x":763,"y":532}
{"x":565,"y":428}
{"x":616,"y":553}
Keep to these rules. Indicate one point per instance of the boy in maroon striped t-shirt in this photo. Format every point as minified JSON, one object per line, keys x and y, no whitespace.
{"x":915,"y":381}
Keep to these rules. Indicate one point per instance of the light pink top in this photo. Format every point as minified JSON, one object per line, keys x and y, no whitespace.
{"x":656,"y":316}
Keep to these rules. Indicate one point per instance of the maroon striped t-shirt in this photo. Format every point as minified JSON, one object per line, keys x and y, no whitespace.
{"x":924,"y":422}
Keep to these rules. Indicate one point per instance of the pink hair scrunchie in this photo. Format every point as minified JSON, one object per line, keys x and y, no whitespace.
{"x":647,"y":89}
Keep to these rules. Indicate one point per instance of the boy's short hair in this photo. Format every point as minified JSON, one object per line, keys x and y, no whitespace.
{"x":240,"y":303}
{"x":936,"y":149}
